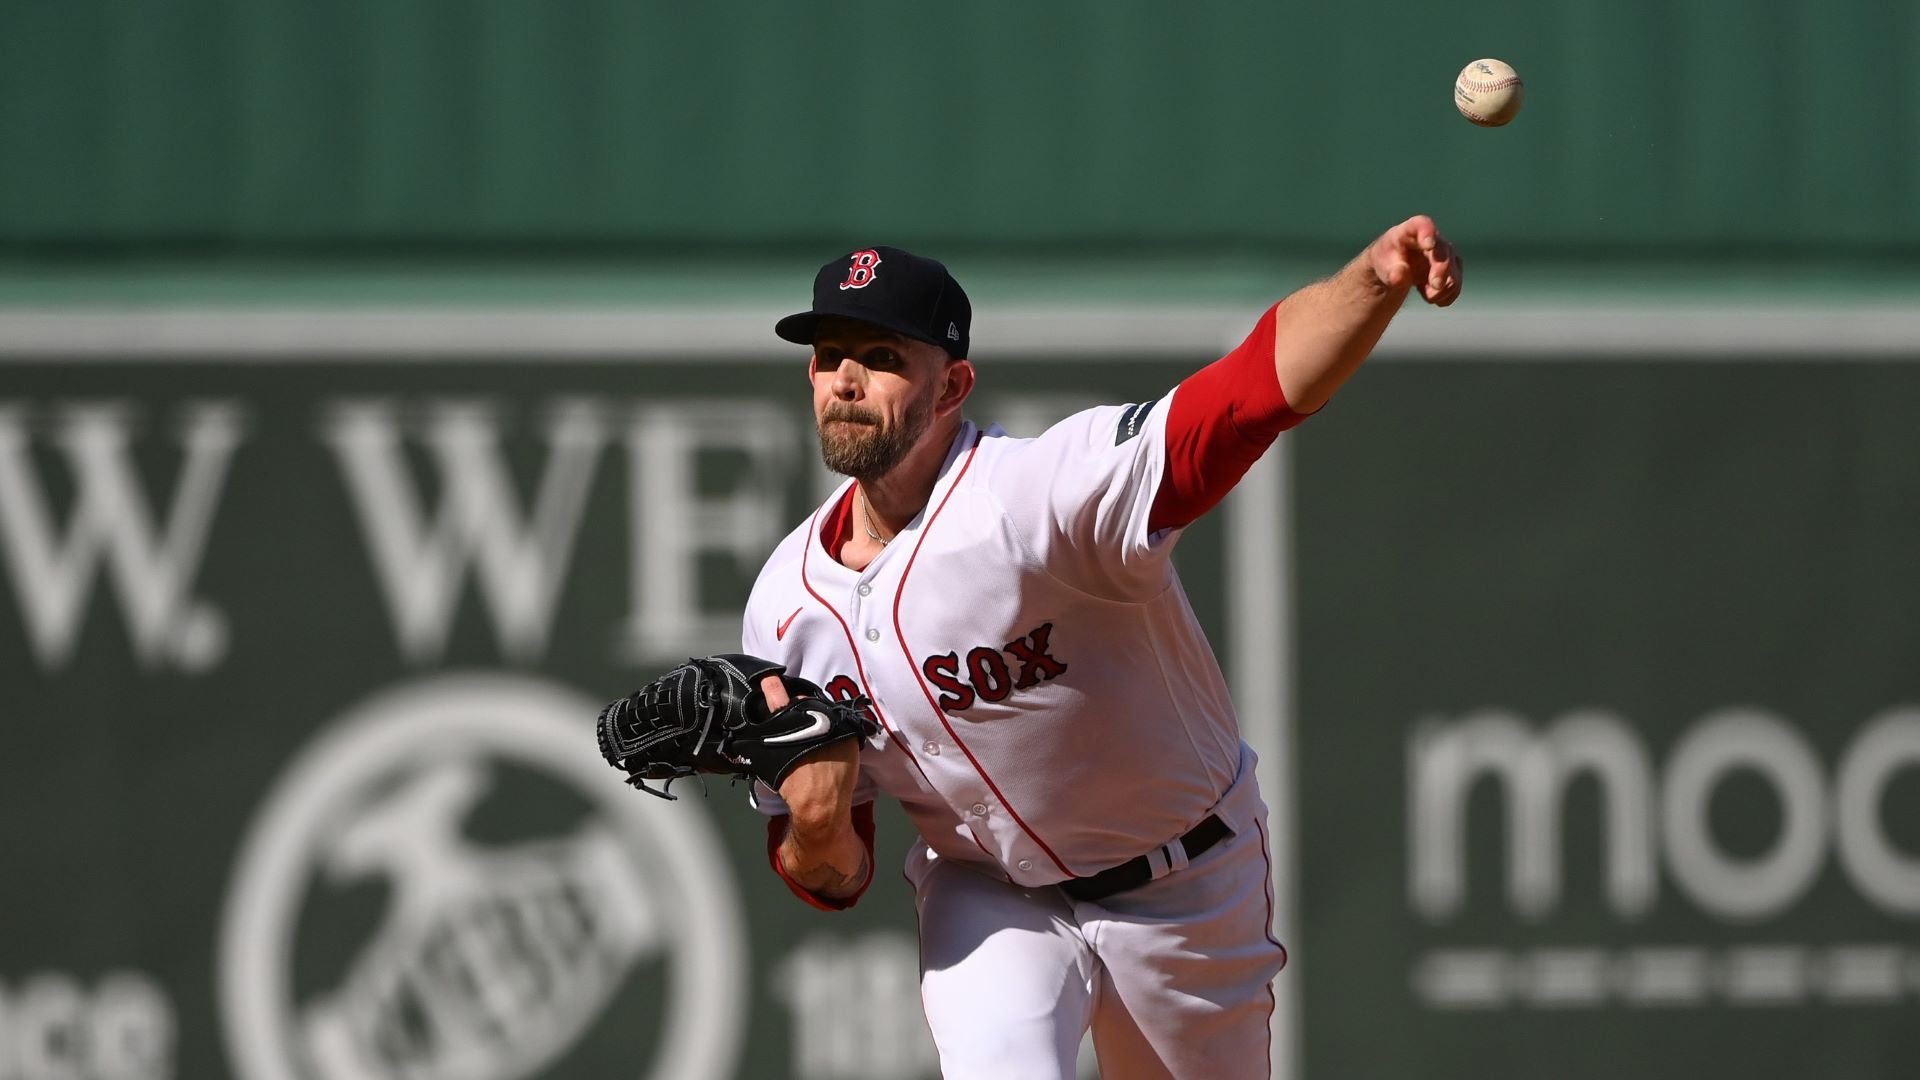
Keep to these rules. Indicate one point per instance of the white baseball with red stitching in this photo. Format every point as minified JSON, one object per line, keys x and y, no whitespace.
{"x":1488,"y":92}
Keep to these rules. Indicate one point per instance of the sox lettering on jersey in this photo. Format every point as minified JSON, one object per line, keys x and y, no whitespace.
{"x":860,"y":274}
{"x":989,"y":674}
{"x":843,"y":688}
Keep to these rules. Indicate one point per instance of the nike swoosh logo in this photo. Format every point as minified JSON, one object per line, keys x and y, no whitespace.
{"x":822,"y":723}
{"x":780,"y":632}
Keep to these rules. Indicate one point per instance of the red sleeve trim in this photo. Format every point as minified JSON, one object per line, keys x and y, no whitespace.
{"x":862,"y":827}
{"x":1223,"y":417}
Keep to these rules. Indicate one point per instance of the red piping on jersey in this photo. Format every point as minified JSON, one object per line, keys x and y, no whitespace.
{"x":1268,"y":856}
{"x":1273,"y":998}
{"x":900,"y":591}
{"x":859,"y":665}
{"x":975,"y":837}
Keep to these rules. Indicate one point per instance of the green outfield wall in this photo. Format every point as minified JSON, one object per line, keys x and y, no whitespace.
{"x":385,"y":386}
{"x":1762,"y":128}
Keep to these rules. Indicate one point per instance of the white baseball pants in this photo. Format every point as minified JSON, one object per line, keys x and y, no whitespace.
{"x":1174,"y":978}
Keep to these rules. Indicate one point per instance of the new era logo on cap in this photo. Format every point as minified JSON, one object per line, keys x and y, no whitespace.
{"x":913,"y":296}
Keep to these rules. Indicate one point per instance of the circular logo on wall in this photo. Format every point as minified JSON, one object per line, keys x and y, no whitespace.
{"x":450,"y":883}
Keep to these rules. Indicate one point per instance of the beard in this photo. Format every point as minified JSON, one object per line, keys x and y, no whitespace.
{"x":864,"y":446}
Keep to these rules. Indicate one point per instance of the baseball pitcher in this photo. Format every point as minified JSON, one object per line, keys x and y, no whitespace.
{"x":990,"y":631}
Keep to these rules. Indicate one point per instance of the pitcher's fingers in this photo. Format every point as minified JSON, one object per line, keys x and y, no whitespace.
{"x":776,"y":692}
{"x":1444,"y":263}
{"x":1399,"y":270}
{"x":1423,"y":232}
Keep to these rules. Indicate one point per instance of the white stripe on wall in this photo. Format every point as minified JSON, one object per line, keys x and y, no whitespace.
{"x":743,"y":334}
{"x":1261,"y":653}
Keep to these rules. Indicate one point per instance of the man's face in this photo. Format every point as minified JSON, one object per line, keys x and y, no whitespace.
{"x":873,"y":395}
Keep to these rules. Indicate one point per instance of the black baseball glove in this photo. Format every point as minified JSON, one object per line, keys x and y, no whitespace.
{"x":710,"y":716}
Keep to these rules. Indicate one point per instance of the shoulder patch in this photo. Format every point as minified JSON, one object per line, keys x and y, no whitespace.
{"x":1132,"y":419}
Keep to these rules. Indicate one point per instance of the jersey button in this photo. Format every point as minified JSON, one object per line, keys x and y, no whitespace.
{"x":932,"y":748}
{"x":979,"y":809}
{"x":865,"y":589}
{"x":1026,"y":864}
{"x":873,"y":634}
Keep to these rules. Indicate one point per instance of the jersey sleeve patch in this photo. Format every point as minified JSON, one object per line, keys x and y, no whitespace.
{"x":1133,"y":420}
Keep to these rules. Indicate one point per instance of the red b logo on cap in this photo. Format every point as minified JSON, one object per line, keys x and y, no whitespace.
{"x":860,"y":274}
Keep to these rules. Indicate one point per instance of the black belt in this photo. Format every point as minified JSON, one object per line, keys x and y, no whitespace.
{"x":1138,"y":871}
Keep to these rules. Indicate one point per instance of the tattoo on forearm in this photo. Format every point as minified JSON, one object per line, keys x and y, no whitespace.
{"x":827,"y":880}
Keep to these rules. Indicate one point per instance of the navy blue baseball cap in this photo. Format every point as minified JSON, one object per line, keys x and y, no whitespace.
{"x":889,"y":288}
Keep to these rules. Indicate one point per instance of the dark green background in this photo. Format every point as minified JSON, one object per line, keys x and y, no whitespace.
{"x":1705,"y":129}
{"x":1660,"y":539}
{"x":1657,"y":538}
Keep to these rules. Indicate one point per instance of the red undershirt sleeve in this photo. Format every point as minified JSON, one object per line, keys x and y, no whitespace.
{"x":1222,"y":419}
{"x":862,"y":826}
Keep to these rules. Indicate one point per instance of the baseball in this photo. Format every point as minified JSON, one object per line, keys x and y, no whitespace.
{"x":1488,"y":92}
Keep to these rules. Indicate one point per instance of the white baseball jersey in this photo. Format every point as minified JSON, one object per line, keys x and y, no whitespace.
{"x":1050,"y":706}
